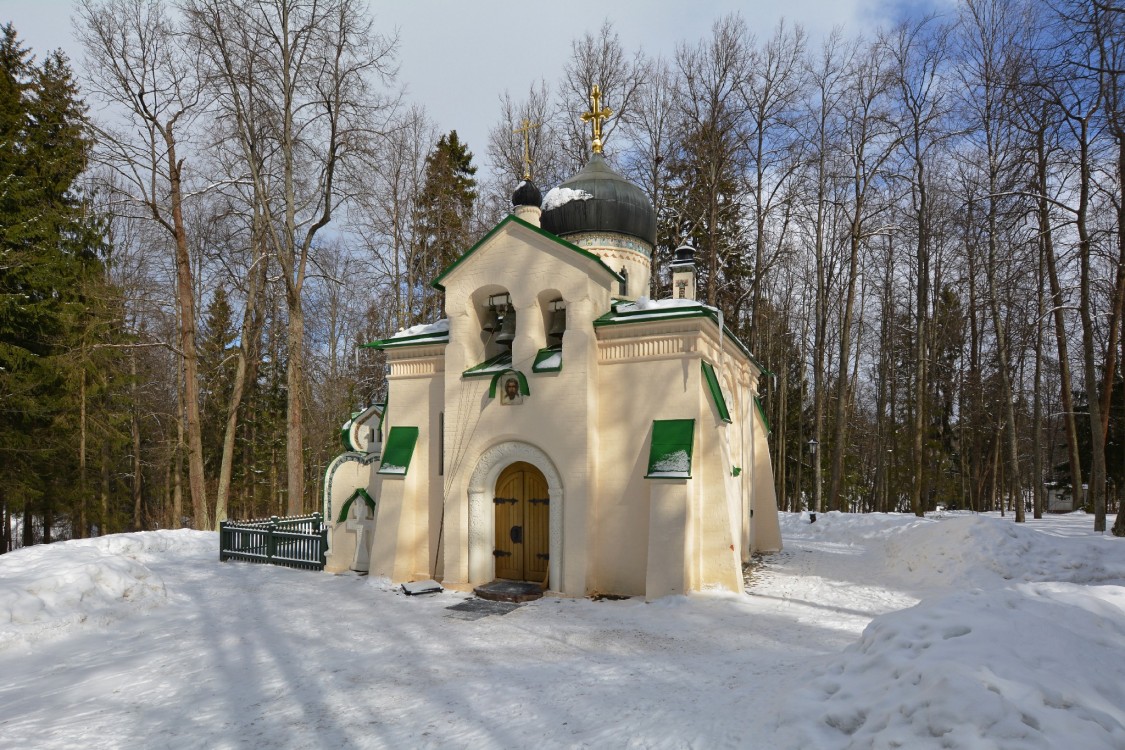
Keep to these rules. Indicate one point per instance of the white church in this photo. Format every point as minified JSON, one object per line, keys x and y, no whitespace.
{"x":559,"y":427}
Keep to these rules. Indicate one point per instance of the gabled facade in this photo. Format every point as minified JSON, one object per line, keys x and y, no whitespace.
{"x":595,"y":441}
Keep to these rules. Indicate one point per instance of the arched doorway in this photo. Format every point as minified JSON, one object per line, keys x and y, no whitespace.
{"x":522,"y":524}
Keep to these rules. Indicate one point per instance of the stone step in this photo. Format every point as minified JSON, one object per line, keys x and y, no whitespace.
{"x":509,"y":591}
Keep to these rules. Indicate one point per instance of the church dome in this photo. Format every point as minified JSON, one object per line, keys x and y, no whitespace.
{"x":597,"y":199}
{"x":527,"y":195}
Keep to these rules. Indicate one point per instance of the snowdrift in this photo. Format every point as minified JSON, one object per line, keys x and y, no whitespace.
{"x":50,"y":589}
{"x":1026,"y":653}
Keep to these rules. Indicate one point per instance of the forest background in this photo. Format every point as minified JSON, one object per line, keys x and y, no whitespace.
{"x":917,"y":229}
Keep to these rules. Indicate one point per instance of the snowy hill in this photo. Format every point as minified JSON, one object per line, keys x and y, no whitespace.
{"x":867,"y":631}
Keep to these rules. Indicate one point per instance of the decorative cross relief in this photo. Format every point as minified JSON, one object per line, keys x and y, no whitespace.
{"x":362,"y":525}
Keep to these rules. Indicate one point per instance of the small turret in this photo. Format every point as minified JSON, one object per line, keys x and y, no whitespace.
{"x":683,"y":272}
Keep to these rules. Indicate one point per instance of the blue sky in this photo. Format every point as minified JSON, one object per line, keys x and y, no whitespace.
{"x":457,"y":58}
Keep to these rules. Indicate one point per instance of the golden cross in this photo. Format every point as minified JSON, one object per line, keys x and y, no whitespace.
{"x":526,"y":130}
{"x":596,"y":116}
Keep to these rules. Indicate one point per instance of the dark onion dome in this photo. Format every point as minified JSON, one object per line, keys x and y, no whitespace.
{"x":527,"y":195}
{"x":597,"y":199}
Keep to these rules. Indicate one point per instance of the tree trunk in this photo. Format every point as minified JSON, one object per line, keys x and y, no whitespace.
{"x":83,"y":477}
{"x":920,"y":354}
{"x":1003,"y":354}
{"x":1097,"y":437}
{"x":839,"y":432}
{"x":246,"y":371}
{"x":1119,"y":522}
{"x":178,"y":476}
{"x":135,"y":428}
{"x":1037,"y":398}
{"x":295,"y":379}
{"x":1070,"y":419}
{"x":185,"y":294}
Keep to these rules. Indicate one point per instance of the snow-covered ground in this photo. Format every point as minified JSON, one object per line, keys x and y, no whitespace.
{"x":957,"y":631}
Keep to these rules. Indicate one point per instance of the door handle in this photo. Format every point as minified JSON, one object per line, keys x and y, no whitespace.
{"x":516,"y":534}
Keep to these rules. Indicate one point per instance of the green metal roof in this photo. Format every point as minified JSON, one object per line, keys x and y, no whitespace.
{"x":669,"y":456}
{"x":422,"y":339}
{"x":436,"y":283}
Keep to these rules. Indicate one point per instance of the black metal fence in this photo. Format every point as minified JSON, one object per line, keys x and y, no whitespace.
{"x":292,"y":541}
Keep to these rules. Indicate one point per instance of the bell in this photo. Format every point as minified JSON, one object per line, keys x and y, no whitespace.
{"x":558,"y":324}
{"x":507,"y":329}
{"x":491,"y":321}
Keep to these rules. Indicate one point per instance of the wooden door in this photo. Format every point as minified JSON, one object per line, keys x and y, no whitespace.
{"x":522,"y":524}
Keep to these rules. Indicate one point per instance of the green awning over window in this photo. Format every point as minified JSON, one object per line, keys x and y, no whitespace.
{"x":548,"y":360}
{"x":499,"y":363}
{"x":670,"y":454}
{"x":716,"y":391}
{"x":398,"y":451}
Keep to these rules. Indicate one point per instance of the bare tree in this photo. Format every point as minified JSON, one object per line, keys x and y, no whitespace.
{"x":827,"y":74}
{"x":772,"y":88}
{"x":597,"y":59}
{"x":384,"y":215}
{"x":139,"y":62}
{"x":872,"y":136}
{"x":506,"y":140}
{"x":919,"y":53}
{"x":650,"y":134}
{"x":310,"y":67}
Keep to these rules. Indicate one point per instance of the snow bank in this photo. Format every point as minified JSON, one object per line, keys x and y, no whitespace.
{"x":847,"y":528}
{"x":1020,"y":667}
{"x":51,"y":589}
{"x":980,"y":551}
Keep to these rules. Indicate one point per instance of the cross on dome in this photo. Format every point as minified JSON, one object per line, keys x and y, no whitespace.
{"x":525,"y":129}
{"x":597,"y":115}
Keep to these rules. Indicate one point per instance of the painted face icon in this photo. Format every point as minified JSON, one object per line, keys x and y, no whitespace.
{"x":511,"y":389}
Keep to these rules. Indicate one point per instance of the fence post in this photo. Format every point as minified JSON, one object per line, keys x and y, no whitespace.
{"x":323,"y":547}
{"x":271,"y":543}
{"x":222,"y":541}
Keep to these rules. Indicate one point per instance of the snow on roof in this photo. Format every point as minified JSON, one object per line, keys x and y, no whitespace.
{"x":559,"y":196}
{"x":441,"y":326}
{"x":644,"y":303}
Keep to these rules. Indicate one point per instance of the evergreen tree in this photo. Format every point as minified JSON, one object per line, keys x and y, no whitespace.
{"x":217,"y":346}
{"x":443,"y":212}
{"x":49,"y":266}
